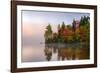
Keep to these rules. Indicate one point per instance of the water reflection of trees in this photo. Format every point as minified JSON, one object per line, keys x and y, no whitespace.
{"x":67,"y":52}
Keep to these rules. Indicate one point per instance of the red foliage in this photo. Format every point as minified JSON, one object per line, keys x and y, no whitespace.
{"x":66,"y":32}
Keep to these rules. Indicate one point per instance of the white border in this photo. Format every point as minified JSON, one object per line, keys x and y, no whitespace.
{"x":54,"y":63}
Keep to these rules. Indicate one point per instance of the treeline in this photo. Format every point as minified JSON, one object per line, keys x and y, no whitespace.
{"x":77,"y":31}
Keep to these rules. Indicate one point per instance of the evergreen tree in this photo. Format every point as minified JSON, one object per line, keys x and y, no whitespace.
{"x":85,"y":20}
{"x":48,"y":34}
{"x":63,"y":25}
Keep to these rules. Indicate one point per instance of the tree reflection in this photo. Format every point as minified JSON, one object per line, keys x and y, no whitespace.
{"x":48,"y":52}
{"x":67,"y":52}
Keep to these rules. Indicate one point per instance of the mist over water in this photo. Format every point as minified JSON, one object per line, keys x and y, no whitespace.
{"x":54,"y":52}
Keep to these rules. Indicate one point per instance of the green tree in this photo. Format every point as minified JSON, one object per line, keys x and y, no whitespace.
{"x":48,"y":34}
{"x":58,"y":30}
{"x":69,"y":27}
{"x":49,"y":29}
{"x":69,"y":39}
{"x":63,"y":25}
{"x":85,"y":34}
{"x":85,"y":20}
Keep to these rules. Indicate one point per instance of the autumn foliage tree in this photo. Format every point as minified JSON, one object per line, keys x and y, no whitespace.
{"x":67,"y":33}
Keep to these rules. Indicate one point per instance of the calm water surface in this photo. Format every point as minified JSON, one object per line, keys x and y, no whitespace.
{"x":54,"y":52}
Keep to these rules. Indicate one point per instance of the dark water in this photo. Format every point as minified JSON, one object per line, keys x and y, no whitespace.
{"x":55,"y":52}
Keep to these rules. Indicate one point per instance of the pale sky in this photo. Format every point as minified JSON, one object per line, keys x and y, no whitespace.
{"x":51,"y":17}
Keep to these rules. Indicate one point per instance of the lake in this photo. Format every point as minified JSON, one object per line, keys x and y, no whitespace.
{"x":55,"y":52}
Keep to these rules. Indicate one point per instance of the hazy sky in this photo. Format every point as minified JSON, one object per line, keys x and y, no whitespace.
{"x":35,"y":22}
{"x":51,"y":17}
